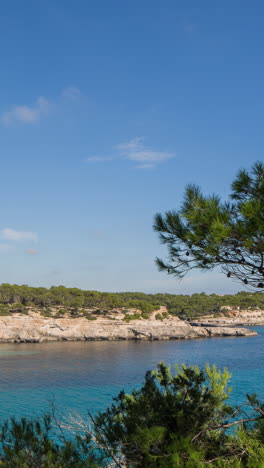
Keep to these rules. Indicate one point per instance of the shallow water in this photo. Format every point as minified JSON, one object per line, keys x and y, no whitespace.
{"x":86,"y":375}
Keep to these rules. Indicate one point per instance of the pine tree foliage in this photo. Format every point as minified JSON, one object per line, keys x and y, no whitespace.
{"x":177,"y":419}
{"x":182,"y":419}
{"x":37,"y":443}
{"x":206,"y":232}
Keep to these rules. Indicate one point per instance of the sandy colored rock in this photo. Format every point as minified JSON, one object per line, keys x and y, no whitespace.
{"x":237,"y":318}
{"x":34,"y":328}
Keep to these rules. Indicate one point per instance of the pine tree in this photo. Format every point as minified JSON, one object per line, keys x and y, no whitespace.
{"x":206,"y":232}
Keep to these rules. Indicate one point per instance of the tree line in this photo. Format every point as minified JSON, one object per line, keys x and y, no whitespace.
{"x":184,"y":306}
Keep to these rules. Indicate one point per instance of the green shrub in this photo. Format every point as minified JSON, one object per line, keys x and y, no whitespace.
{"x":130,"y":317}
{"x":179,"y":421}
{"x":126,"y":319}
{"x":24,"y":311}
{"x":89,"y":316}
{"x":75,"y":312}
{"x":46,"y":312}
{"x":62,"y":311}
{"x":145,"y":316}
{"x":4,"y":312}
{"x":159,"y":317}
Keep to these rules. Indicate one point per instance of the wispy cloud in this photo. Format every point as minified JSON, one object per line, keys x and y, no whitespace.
{"x":145,"y":166}
{"x":72,"y":93}
{"x":30,"y":114}
{"x":13,"y":235}
{"x":27,"y":114}
{"x":146,"y":157}
{"x":98,"y":159}
{"x":31,"y":252}
{"x":131,"y":145}
{"x":135,"y":150}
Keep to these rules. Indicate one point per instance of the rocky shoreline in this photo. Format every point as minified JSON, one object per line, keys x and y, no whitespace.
{"x":235,"y":319}
{"x":36,"y":328}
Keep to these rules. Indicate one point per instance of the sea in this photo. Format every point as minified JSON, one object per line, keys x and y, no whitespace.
{"x":75,"y":377}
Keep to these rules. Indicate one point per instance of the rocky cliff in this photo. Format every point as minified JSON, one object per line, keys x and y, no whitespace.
{"x":36,"y":328}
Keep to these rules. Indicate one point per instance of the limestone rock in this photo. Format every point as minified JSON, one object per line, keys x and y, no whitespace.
{"x":238,"y":318}
{"x":34,"y":328}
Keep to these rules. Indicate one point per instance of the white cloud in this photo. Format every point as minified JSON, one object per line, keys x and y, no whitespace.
{"x":135,"y":150}
{"x":95,"y":159}
{"x":71,"y":93}
{"x":132,"y":145}
{"x":31,"y":251}
{"x":42,"y":106}
{"x":145,"y":166}
{"x":13,"y":235}
{"x":27,"y":114}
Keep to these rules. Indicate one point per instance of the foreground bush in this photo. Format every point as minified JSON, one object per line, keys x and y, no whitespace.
{"x":31,"y":443}
{"x":180,"y":420}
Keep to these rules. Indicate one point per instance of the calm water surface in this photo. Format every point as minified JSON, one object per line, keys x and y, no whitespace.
{"x":86,"y":375}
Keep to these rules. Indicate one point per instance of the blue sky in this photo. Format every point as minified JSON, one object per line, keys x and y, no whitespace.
{"x":108,"y":109}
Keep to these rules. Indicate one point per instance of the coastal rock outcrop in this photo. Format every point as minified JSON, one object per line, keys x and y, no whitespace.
{"x":36,"y":328}
{"x":235,"y":319}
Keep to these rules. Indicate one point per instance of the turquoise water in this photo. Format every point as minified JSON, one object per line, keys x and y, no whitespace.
{"x":86,"y":375}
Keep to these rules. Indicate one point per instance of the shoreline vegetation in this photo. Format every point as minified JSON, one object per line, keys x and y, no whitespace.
{"x":74,"y":302}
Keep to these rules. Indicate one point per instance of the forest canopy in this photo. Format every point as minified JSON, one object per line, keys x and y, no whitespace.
{"x":180,"y":305}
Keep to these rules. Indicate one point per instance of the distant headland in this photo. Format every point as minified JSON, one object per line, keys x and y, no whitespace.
{"x":29,"y":314}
